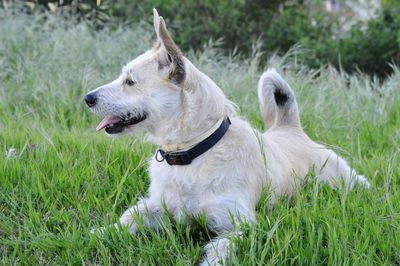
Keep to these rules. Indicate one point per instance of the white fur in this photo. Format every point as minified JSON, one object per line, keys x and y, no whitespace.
{"x":226,"y":181}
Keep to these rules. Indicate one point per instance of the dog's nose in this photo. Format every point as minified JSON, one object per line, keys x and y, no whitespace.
{"x":91,"y":99}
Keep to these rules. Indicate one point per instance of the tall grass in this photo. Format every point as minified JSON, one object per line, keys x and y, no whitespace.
{"x":59,"y":178}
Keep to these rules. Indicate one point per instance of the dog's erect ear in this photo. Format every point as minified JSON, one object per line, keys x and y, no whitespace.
{"x":156,"y":22}
{"x":171,"y":55}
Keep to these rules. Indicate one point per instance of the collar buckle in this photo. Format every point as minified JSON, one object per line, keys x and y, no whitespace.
{"x":176,"y":158}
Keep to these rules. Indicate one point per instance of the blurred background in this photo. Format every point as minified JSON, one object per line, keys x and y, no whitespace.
{"x":351,"y":35}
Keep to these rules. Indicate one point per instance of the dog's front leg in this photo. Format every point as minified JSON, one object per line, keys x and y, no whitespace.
{"x":226,"y":225}
{"x":150,"y":213}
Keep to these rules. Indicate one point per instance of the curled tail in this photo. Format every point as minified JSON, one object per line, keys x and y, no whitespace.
{"x":277,"y":101}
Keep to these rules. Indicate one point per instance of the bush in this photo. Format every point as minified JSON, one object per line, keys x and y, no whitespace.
{"x":300,"y":25}
{"x":373,"y":49}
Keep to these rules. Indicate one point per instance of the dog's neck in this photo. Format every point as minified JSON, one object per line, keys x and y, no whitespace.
{"x":203,"y":105}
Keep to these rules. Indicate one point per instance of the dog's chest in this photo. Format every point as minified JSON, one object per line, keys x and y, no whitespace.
{"x":180,"y":188}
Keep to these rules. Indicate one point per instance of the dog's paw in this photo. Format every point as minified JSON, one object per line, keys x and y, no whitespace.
{"x":216,"y":252}
{"x":362,"y":181}
{"x":97,"y":231}
{"x":102,"y":230}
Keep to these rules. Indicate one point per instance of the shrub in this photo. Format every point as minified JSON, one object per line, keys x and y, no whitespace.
{"x":371,"y":50}
{"x":370,"y":47}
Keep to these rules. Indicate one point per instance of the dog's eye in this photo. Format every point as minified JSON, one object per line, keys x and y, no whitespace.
{"x":130,"y":82}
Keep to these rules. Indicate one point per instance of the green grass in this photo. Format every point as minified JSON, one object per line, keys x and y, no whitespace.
{"x":64,"y":178}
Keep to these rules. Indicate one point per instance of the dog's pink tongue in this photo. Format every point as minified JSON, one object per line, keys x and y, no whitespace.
{"x":107,"y":121}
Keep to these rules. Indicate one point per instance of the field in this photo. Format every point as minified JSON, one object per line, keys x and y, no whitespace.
{"x":58,"y":178}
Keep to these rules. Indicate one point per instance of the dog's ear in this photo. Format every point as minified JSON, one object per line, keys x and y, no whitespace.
{"x":156,"y":22}
{"x":170,"y":54}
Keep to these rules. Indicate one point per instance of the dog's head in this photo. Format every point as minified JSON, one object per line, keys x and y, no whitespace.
{"x":147,"y":91}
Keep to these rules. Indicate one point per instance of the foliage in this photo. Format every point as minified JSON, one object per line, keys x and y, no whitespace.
{"x":239,"y":23}
{"x":371,"y":48}
{"x":275,"y":25}
{"x":374,"y":48}
{"x":312,"y":31}
{"x":96,"y":11}
{"x":62,"y":178}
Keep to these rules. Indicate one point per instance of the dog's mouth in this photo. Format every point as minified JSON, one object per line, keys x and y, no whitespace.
{"x":116,"y":124}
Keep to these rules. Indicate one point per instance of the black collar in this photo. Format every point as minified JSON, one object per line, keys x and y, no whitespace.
{"x":186,"y":157}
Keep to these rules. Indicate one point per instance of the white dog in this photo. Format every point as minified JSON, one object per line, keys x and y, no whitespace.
{"x":210,"y":161}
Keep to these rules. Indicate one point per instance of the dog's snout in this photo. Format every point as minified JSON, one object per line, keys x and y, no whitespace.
{"x":91,"y":99}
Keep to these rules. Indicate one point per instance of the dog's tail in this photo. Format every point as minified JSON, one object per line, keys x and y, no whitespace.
{"x":277,"y":101}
